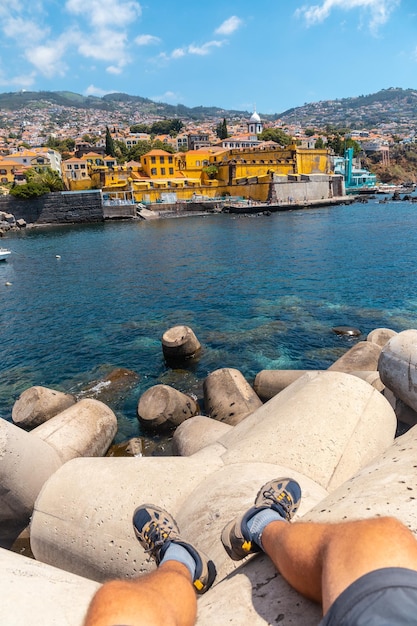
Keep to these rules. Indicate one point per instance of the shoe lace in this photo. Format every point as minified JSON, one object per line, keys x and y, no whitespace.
{"x":283,"y":500}
{"x":155,"y":536}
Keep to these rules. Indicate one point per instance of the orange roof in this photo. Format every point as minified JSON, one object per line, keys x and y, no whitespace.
{"x":73,"y":160}
{"x":158,"y":153}
{"x":90,"y":155}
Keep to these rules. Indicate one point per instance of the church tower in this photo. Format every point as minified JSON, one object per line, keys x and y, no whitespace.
{"x":255,"y":126}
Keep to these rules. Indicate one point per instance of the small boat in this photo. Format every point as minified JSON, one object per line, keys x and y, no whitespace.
{"x":4,"y":253}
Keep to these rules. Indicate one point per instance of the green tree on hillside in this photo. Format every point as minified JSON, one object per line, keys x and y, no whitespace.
{"x":277,"y":135}
{"x":160,"y":145}
{"x":110,"y":147}
{"x":140,"y":128}
{"x":221,"y":130}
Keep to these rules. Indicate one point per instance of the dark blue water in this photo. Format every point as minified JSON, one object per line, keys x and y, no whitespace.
{"x":259,"y":292}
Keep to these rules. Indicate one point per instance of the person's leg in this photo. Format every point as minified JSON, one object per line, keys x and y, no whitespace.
{"x":319,"y":560}
{"x":165,"y":597}
{"x":322,"y":560}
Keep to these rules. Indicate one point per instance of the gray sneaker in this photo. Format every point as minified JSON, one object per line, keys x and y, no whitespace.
{"x":282,"y":495}
{"x":156,"y":530}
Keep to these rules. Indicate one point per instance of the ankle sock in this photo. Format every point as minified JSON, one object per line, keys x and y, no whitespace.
{"x":177,"y":552}
{"x":257,"y":523}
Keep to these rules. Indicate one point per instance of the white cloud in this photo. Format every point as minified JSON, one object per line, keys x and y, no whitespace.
{"x":47,"y":60}
{"x":192,"y":49}
{"x":104,"y":13}
{"x":23,"y":81}
{"x":229,"y":26}
{"x":114,"y":69}
{"x":168,"y":96}
{"x":146,"y":40}
{"x":23,"y":30}
{"x":379,"y":10}
{"x":95,"y":91}
{"x":178,"y":53}
{"x":104,"y":46}
{"x":205,"y":48}
{"x":109,"y":21}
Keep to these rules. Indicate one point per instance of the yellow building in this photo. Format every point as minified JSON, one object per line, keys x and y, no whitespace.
{"x":158,"y":164}
{"x":75,"y":174}
{"x":9,"y":169}
{"x":207,"y":172}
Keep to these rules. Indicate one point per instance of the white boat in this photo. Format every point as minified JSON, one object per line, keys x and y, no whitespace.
{"x":4,"y":253}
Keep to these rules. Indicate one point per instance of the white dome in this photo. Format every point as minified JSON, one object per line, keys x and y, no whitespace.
{"x":255,"y":118}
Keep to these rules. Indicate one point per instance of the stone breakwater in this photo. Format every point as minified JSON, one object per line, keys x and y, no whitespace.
{"x":333,"y":431}
{"x":65,"y":207}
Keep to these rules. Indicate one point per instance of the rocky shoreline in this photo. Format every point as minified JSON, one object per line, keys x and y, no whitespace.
{"x":334,"y":431}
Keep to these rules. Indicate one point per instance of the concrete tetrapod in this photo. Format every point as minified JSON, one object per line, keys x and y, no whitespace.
{"x":76,"y":525}
{"x":326,"y":425}
{"x":35,"y":593}
{"x":180,"y":343}
{"x":381,"y":336}
{"x":362,"y":356}
{"x":387,"y":486}
{"x":26,"y":462}
{"x":197,"y":433}
{"x":82,"y":520}
{"x":398,"y":367}
{"x":38,"y":404}
{"x":163,"y":406}
{"x":228,"y":396}
{"x":86,"y":428}
{"x":270,"y":382}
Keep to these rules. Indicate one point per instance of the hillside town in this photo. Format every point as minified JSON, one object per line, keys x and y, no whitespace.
{"x":195,"y":160}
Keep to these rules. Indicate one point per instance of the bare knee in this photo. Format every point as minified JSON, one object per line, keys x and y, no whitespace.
{"x":390,"y":527}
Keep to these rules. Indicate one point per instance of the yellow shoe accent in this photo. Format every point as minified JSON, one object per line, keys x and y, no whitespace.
{"x":246,"y":546}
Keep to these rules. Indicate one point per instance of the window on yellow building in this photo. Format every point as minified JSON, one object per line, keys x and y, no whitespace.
{"x":153,"y":171}
{"x":171,"y":170}
{"x":169,"y":159}
{"x":162,"y":159}
{"x":197,"y":163}
{"x":162,"y":170}
{"x":153,"y":159}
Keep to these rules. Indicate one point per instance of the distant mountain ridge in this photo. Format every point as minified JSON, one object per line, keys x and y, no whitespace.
{"x":15,"y":101}
{"x":393,"y":105}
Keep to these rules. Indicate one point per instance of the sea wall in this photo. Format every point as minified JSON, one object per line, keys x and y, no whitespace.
{"x":57,"y":208}
{"x":302,"y":188}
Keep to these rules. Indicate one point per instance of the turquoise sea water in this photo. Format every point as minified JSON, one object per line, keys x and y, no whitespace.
{"x":259,"y":292}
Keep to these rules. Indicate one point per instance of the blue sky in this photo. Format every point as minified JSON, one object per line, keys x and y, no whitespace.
{"x":240,"y":54}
